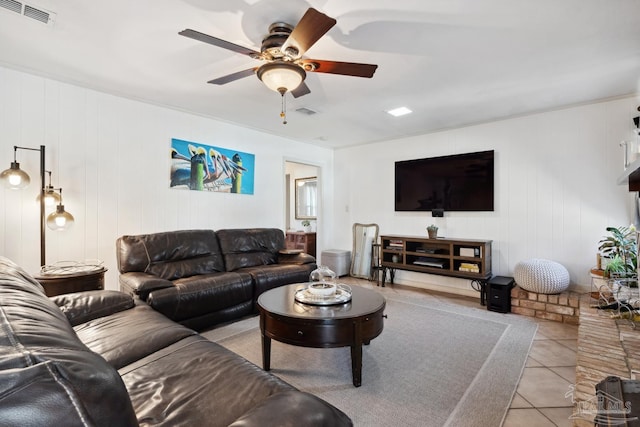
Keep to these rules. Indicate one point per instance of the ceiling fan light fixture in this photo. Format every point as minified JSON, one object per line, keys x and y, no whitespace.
{"x":281,"y":77}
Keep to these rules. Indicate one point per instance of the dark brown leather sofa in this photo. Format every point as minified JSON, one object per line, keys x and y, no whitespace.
{"x":101,"y":358}
{"x":200,"y":278}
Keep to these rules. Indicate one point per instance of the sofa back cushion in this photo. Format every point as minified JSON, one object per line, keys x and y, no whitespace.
{"x":170,"y":255}
{"x":47,"y":375}
{"x":250,"y":247}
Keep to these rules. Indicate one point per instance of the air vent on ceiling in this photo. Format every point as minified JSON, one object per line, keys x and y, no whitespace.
{"x":14,"y":6}
{"x":307,"y":111}
{"x":29,"y":11}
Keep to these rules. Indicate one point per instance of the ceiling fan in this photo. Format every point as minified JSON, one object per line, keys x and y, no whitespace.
{"x":282,"y":49}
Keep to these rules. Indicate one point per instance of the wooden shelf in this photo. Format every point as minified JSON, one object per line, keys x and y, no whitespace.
{"x":446,"y":257}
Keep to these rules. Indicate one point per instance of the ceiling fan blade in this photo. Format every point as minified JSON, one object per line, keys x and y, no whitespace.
{"x":311,"y":27}
{"x":233,"y":77}
{"x":344,"y":68}
{"x":301,"y":90}
{"x":196,"y":35}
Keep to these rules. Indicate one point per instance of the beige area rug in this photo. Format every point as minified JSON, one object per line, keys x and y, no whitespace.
{"x":435,"y":364}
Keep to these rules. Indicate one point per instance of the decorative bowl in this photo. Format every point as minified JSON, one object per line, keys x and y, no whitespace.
{"x":322,"y":289}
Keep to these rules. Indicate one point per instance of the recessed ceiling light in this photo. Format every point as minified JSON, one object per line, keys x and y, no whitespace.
{"x":400,"y":111}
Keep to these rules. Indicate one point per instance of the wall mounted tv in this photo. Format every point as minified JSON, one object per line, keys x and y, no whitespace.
{"x":461,"y":182}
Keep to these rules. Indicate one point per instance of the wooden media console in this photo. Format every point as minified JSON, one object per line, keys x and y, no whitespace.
{"x":466,"y":259}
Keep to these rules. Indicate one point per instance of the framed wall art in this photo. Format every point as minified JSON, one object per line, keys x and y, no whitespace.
{"x":201,"y":167}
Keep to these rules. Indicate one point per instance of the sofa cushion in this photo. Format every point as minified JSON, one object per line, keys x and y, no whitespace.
{"x":84,"y":306}
{"x":227,"y":314}
{"x":42,"y":361}
{"x":249,"y":247}
{"x":130,"y":335}
{"x":206,"y":293}
{"x":270,"y":277}
{"x":170,"y":255}
{"x":166,"y":388}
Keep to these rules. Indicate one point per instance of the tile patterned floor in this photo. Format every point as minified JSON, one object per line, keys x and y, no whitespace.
{"x":549,"y":372}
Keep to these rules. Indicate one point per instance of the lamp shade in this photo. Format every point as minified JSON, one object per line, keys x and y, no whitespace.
{"x":60,"y":220}
{"x":14,"y":177}
{"x":51,"y":197}
{"x":281,"y":76}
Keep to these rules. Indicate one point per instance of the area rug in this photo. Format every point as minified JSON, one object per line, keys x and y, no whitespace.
{"x":433,"y":365}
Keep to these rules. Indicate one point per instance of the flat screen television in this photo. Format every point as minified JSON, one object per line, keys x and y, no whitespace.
{"x":460,"y":182}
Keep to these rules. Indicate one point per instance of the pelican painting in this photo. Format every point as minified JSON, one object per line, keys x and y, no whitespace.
{"x":202,"y":167}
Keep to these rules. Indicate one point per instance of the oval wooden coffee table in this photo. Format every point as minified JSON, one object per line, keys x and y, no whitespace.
{"x":352,"y":324}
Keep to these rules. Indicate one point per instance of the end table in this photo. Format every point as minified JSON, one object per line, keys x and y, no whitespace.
{"x":71,"y":277}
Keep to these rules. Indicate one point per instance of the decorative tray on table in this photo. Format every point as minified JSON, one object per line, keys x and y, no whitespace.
{"x":323,"y":294}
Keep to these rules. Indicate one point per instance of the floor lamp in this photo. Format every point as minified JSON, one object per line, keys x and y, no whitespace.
{"x":16,"y":179}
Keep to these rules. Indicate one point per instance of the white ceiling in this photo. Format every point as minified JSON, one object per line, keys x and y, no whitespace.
{"x":453,"y":62}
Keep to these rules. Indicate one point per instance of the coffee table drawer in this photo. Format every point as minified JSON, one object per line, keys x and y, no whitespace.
{"x":307,"y":334}
{"x":372,"y":325}
{"x":322,"y":333}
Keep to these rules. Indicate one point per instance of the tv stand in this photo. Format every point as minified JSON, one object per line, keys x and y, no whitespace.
{"x":463,"y":258}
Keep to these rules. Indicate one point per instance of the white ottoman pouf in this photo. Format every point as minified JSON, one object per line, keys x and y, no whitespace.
{"x":541,"y":276}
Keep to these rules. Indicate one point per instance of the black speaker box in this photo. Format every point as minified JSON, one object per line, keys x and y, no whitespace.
{"x":499,"y":294}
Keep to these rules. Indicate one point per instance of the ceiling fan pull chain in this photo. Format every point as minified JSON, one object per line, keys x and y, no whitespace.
{"x":283,"y":112}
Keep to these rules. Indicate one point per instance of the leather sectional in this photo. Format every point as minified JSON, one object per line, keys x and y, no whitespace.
{"x":200,"y":278}
{"x":105,"y":358}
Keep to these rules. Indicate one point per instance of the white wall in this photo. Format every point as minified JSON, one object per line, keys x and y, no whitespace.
{"x":555,"y":189}
{"x":111,"y":157}
{"x":555,"y":179}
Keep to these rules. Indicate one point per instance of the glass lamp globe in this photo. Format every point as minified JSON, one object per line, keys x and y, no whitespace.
{"x":51,"y":197}
{"x":14,"y":177}
{"x":281,"y":76}
{"x":60,"y":220}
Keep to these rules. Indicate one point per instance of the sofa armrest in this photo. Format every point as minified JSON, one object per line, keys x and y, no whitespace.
{"x":142,"y":284}
{"x":299,"y":259}
{"x":81,"y":307}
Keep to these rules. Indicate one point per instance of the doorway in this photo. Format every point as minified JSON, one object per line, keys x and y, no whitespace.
{"x":302,"y":205}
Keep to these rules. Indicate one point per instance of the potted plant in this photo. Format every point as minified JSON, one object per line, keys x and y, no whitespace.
{"x":432,"y":230}
{"x":615,"y":267}
{"x":620,"y":249}
{"x":307,"y":225}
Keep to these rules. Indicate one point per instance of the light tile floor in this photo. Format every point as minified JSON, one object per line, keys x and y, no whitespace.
{"x":548,"y":374}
